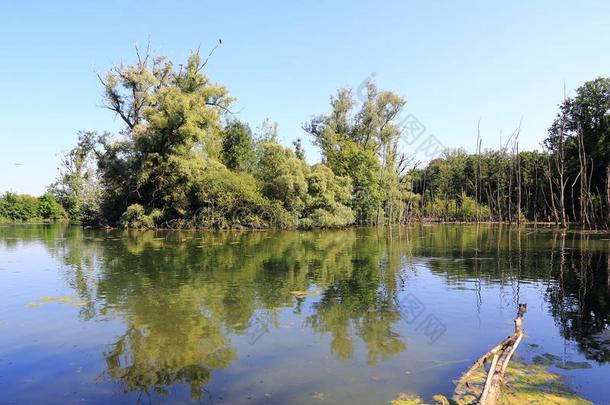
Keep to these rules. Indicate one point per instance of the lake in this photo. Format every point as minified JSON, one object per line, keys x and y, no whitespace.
{"x":350,"y":316}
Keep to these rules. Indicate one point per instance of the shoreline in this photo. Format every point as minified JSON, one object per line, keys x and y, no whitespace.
{"x":422,"y":222}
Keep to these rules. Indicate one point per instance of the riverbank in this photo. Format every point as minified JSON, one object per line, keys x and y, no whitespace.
{"x":423,"y":222}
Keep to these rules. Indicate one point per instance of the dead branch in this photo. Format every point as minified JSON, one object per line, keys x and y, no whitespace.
{"x":500,"y":355}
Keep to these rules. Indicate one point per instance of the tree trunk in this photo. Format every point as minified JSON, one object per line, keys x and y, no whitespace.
{"x":550,"y":174}
{"x":518,"y":186}
{"x":560,"y":163}
{"x":608,"y":195}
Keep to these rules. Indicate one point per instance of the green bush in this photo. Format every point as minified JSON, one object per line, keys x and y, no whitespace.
{"x":135,"y":217}
{"x":23,"y":207}
{"x":49,"y":208}
{"x":454,"y":210}
{"x":329,"y":197}
{"x":226,"y":199}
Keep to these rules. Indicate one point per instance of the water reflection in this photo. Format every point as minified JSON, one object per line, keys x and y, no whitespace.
{"x":186,"y":298}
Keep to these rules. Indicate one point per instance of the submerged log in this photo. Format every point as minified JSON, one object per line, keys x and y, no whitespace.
{"x":500,"y":355}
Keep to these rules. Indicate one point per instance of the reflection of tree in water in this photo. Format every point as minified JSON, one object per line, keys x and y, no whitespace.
{"x":170,"y":339}
{"x":363,"y":304}
{"x":182,"y":295}
{"x":580,"y":298}
{"x":371,"y":320}
{"x":575,"y":269}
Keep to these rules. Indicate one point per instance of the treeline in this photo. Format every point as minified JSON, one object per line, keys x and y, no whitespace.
{"x":569,"y":182}
{"x":494,"y":185}
{"x":23,"y":207}
{"x":183,"y":160}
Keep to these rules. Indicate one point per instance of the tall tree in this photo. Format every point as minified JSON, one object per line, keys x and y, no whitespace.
{"x":237,"y":146}
{"x":77,"y":187}
{"x":172,"y":125}
{"x":363,"y":145}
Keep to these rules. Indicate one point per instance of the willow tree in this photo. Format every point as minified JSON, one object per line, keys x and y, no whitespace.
{"x":362,"y":144}
{"x":173,"y":125}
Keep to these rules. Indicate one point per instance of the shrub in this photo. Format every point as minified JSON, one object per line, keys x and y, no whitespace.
{"x":329,"y":196}
{"x":49,"y":208}
{"x":135,"y":217}
{"x":23,"y":207}
{"x":226,"y":199}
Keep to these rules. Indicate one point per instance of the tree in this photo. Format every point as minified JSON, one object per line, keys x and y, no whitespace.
{"x":24,"y":207}
{"x":352,"y":140}
{"x":329,"y":197}
{"x":364,"y":169}
{"x":49,"y":208}
{"x":172,"y":120}
{"x":579,"y":139}
{"x":298,"y":148}
{"x":77,"y":187}
{"x":237,"y":146}
{"x":283,"y":176}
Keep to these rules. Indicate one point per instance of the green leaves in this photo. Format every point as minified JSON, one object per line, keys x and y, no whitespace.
{"x":238,"y":146}
{"x":173,"y":118}
{"x":23,"y":207}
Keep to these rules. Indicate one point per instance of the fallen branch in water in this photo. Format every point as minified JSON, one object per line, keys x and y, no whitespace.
{"x":500,"y":355}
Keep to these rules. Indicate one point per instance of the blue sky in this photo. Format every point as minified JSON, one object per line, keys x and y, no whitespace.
{"x":454,"y":62}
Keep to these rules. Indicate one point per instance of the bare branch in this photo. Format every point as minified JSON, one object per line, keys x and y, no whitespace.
{"x":116,"y":102}
{"x":205,"y":62}
{"x":222,"y":107}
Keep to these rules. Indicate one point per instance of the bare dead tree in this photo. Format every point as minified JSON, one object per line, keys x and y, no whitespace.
{"x":552,"y":194}
{"x":511,"y":168}
{"x":608,"y":200}
{"x":510,"y":185}
{"x":518,"y":183}
{"x":478,"y":173}
{"x":585,"y":181}
{"x":560,"y":156}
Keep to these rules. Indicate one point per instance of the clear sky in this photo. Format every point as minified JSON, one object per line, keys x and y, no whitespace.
{"x":454,"y":62}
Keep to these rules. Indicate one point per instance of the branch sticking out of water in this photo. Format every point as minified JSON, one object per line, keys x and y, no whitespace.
{"x":500,"y":355}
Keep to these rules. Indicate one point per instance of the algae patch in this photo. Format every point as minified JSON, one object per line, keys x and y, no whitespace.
{"x":67,"y":299}
{"x":535,"y":384}
{"x":574,"y":365}
{"x":525,"y":384}
{"x":546,"y":359}
{"x":304,"y":294}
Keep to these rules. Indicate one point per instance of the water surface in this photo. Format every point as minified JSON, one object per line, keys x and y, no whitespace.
{"x":348,"y":316}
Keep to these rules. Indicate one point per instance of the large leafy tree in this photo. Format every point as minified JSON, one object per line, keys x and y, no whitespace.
{"x":172,"y":126}
{"x":283,"y":176}
{"x":363,"y":145}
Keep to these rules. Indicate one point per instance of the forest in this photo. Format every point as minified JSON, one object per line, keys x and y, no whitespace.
{"x":183,"y":159}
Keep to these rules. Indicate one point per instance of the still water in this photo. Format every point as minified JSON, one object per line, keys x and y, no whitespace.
{"x":344,"y":316}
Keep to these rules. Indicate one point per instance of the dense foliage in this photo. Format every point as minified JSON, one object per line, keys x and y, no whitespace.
{"x":184,"y":160}
{"x":568,"y":182}
{"x":23,"y":207}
